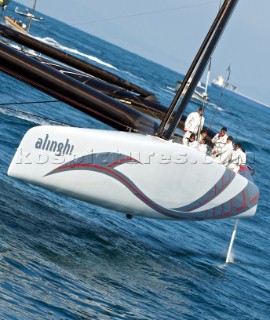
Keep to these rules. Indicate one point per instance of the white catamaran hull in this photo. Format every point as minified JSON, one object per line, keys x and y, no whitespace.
{"x":132,"y":173}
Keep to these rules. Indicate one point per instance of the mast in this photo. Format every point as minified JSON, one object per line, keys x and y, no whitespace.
{"x":207,"y":77}
{"x":197,"y":68}
{"x":31,"y":16}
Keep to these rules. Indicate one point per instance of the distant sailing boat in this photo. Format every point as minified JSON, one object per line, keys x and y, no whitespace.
{"x":199,"y":95}
{"x":26,"y":13}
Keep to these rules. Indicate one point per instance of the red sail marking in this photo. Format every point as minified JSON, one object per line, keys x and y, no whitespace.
{"x":228,"y":213}
{"x":244,"y":202}
{"x":255,"y":199}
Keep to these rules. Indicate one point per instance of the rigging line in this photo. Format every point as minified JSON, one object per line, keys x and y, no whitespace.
{"x":27,"y":102}
{"x":31,"y":17}
{"x":144,"y":13}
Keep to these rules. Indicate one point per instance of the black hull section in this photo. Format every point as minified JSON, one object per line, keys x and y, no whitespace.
{"x":94,"y":91}
{"x":73,"y":62}
{"x":78,"y":95}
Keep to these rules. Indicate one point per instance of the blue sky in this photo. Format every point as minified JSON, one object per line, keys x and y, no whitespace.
{"x":170,"y":33}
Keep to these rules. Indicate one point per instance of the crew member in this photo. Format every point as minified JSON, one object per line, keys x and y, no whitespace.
{"x":202,"y":146}
{"x":193,"y":124}
{"x":238,"y":158}
{"x":203,"y":135}
{"x":224,"y":155}
{"x":219,"y":141}
{"x":192,"y":141}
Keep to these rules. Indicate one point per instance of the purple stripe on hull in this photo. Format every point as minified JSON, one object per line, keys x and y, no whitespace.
{"x":221,"y":185}
{"x":243,"y":201}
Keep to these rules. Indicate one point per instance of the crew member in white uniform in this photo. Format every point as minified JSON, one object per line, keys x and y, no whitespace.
{"x":203,"y":135}
{"x":193,"y":124}
{"x":238,"y":158}
{"x":225,"y":153}
{"x":219,"y":141}
{"x":202,"y":146}
{"x":192,"y":141}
